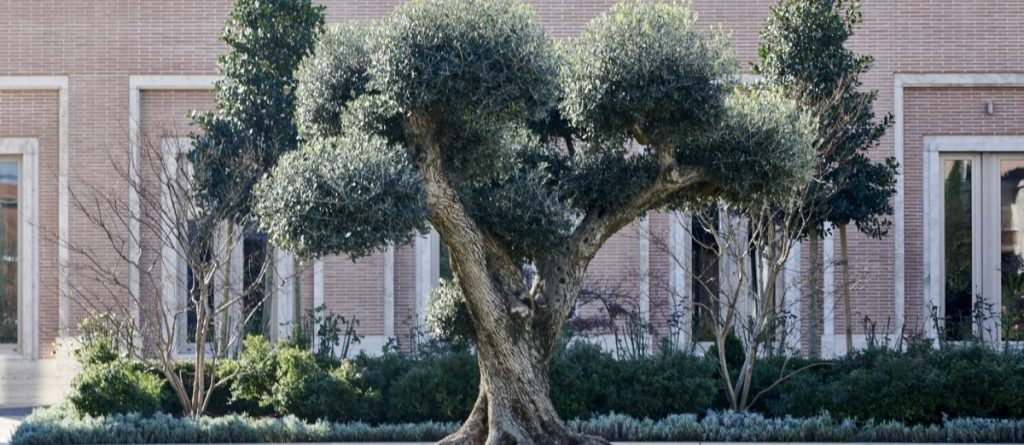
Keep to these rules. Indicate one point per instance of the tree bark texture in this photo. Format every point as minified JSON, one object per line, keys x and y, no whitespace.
{"x":517,"y":325}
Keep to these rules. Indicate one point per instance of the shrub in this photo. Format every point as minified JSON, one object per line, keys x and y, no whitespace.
{"x":920,"y":386}
{"x":290,"y":381}
{"x":116,"y":387}
{"x":441,"y":387}
{"x":586,"y":381}
{"x":447,"y":314}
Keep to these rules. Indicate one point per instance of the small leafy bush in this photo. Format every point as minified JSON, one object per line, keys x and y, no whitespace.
{"x":447,"y":313}
{"x":116,"y":387}
{"x":921,"y":385}
{"x":414,"y":388}
{"x":287,"y":380}
{"x":586,"y":381}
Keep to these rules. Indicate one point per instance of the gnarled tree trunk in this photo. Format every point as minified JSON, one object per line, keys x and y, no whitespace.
{"x":513,"y":406}
{"x":515,"y":325}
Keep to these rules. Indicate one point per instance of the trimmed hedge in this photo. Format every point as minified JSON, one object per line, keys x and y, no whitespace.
{"x":60,"y":425}
{"x":921,"y":386}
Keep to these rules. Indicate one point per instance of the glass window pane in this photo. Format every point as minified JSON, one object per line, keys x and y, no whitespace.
{"x":1011,"y":206}
{"x":445,"y":263}
{"x":705,"y":279}
{"x":255,"y":284}
{"x":200,"y":251}
{"x":958,"y":249}
{"x":9,"y":252}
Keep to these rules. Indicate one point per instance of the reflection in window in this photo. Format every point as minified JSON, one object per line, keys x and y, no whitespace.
{"x":255,"y":303}
{"x":1011,"y":191}
{"x":705,"y":283}
{"x":197,"y":286}
{"x":958,"y":249}
{"x":8,"y":252}
{"x":445,"y":263}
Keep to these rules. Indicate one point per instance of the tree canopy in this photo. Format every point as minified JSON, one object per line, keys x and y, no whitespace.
{"x":518,"y":148}
{"x":255,"y":101}
{"x":803,"y":52}
{"x":533,"y":133}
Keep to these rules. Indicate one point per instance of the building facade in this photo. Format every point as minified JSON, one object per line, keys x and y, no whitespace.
{"x":84,"y":84}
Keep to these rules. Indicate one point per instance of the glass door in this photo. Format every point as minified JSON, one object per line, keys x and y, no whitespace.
{"x":961,"y":233}
{"x":1006,"y":307}
{"x":983,"y":247}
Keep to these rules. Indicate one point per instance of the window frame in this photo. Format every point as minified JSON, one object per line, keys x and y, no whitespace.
{"x":25,"y":151}
{"x":985,"y":152}
{"x":173,"y":277}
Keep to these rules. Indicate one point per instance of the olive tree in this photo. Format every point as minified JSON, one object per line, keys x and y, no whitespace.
{"x":515,"y":148}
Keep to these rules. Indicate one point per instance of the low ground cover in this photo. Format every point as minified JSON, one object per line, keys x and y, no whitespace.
{"x":61,"y":425}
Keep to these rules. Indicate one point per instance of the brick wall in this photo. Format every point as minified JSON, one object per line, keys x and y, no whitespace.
{"x":98,"y":45}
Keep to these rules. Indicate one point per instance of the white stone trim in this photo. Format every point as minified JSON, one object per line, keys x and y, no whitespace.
{"x":791,"y":279}
{"x":973,"y":144}
{"x":428,"y":271}
{"x":828,"y":306}
{"x":318,"y":292}
{"x":389,"y":291}
{"x":60,"y":84}
{"x":680,"y":287}
{"x":28,"y":242}
{"x":900,"y":83}
{"x":136,"y":84}
{"x":283,"y":316}
{"x":644,"y":266}
{"x":372,"y":345}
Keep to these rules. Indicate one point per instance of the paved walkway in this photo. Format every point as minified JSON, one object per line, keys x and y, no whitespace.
{"x":10,"y":418}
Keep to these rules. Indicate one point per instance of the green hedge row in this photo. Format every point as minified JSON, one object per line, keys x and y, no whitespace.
{"x":921,"y":386}
{"x":61,"y":426}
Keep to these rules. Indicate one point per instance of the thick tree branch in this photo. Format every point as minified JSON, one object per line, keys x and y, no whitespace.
{"x":480,"y":261}
{"x":561,"y":275}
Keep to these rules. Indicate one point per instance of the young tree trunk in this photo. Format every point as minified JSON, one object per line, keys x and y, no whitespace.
{"x":847,"y":318}
{"x":813,"y":343}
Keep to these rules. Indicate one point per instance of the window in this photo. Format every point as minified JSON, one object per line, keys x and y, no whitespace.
{"x":19,"y":243}
{"x":982,"y":266}
{"x":705,"y":276}
{"x":187,"y":244}
{"x":9,"y":222}
{"x":959,"y":242}
{"x":256,"y":288}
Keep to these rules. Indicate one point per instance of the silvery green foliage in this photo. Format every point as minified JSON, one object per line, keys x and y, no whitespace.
{"x":58,"y":425}
{"x":474,"y":60}
{"x":485,"y":77}
{"x":447,"y":315}
{"x":510,"y":193}
{"x":342,"y":194}
{"x":758,"y":152}
{"x":644,"y":70}
{"x":332,"y":77}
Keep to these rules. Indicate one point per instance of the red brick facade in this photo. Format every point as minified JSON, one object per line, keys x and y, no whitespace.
{"x":99,"y":46}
